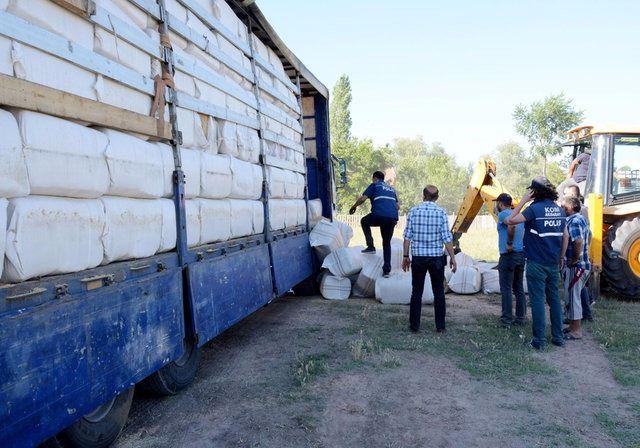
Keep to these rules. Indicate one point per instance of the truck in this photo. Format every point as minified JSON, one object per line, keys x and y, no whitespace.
{"x":73,"y":346}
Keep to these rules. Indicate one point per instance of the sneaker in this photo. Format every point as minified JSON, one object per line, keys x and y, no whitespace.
{"x":558,"y":343}
{"x":368,"y":250}
{"x":534,"y":346}
{"x":519,"y":323}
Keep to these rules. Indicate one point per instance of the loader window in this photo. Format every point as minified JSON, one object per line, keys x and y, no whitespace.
{"x":626,"y":166}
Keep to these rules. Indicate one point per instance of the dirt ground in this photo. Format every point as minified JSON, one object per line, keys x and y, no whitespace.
{"x":307,"y":372}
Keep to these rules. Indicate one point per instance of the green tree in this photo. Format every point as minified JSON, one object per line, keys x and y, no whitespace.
{"x":543,"y":124}
{"x":340,"y":111}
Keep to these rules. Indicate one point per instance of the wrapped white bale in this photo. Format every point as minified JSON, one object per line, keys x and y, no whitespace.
{"x":135,"y":167}
{"x":112,"y":47}
{"x":227,"y":138}
{"x":198,"y":131}
{"x":397,"y":288}
{"x":133,"y":228}
{"x":6,"y":62}
{"x":3,"y":231}
{"x":194,"y":225}
{"x":51,"y":17}
{"x":112,"y":92}
{"x":63,"y":158}
{"x":370,"y":273}
{"x":335,"y":288}
{"x":283,"y":213}
{"x":345,"y":230}
{"x":247,"y":217}
{"x":191,"y":166}
{"x":463,"y":259}
{"x":247,"y":180}
{"x":127,"y":12}
{"x":490,"y":281}
{"x":484,"y":266}
{"x":169,"y":230}
{"x":396,"y":254}
{"x":291,"y":185}
{"x":248,"y":144}
{"x":215,"y":220}
{"x":301,"y":183}
{"x":37,"y":66}
{"x":466,"y":280}
{"x":14,"y":181}
{"x":325,"y":238}
{"x":48,"y":235}
{"x":215,"y":176}
{"x":301,"y":208}
{"x":315,"y":212}
{"x":277,"y":179}
{"x":344,"y":261}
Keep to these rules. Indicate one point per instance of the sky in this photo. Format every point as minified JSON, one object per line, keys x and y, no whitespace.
{"x":453,"y":71}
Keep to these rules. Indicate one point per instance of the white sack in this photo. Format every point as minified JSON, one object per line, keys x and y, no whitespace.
{"x":215,"y":220}
{"x":227,"y":138}
{"x":42,"y":68}
{"x":63,"y":158}
{"x":484,"y":266}
{"x":194,"y":224}
{"x":3,"y":231}
{"x":344,"y":261}
{"x":13,"y":169}
{"x":335,"y":288}
{"x":277,"y":179}
{"x":325,"y":237}
{"x":47,"y":235}
{"x":396,"y":289}
{"x":168,"y":236}
{"x":466,"y":280}
{"x":135,"y":167}
{"x":247,"y":217}
{"x":247,"y":180}
{"x":463,"y":259}
{"x":215,"y":176}
{"x":370,"y":273}
{"x":490,"y":282}
{"x":346,"y":231}
{"x":315,"y":212}
{"x":133,"y":228}
{"x":248,"y":144}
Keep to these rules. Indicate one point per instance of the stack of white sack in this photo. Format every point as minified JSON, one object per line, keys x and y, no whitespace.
{"x":467,"y":279}
{"x":372,"y":269}
{"x":335,"y":288}
{"x":325,"y":238}
{"x":490,"y":277}
{"x":396,"y":289}
{"x":314,"y":209}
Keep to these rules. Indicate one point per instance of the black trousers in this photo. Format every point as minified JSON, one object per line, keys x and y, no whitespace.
{"x":386,"y":230}
{"x":419,"y":268}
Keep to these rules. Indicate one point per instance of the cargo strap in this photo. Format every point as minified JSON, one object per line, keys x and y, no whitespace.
{"x":161,"y":81}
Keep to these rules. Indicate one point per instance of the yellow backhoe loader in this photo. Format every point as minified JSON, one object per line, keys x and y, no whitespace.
{"x":612,"y":197}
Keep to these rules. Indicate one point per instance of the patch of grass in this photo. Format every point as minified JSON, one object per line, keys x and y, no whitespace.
{"x":545,"y":434}
{"x":390,"y":360}
{"x":616,"y":329}
{"x":308,"y":367}
{"x":623,"y":431}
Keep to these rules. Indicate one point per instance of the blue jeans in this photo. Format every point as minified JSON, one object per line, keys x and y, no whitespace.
{"x":511,"y":273}
{"x":543,"y":283}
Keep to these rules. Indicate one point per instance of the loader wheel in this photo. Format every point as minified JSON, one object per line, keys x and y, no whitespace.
{"x":621,"y":258}
{"x":101,"y":427}
{"x":175,"y":376}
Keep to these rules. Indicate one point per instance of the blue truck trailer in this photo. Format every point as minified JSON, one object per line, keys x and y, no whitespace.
{"x":73,"y":347}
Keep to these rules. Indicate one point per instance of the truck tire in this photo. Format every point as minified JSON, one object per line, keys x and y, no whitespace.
{"x":101,"y":427}
{"x":175,"y":376}
{"x":621,"y":258}
{"x":307,"y":287}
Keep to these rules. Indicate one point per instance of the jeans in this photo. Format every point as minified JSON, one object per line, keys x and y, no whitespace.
{"x":586,"y":303}
{"x":511,"y":274}
{"x":419,"y":268}
{"x":386,"y":230}
{"x":543,"y":282}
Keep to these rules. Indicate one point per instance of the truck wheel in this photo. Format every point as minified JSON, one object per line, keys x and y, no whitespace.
{"x":307,"y":287}
{"x":621,"y":258}
{"x":101,"y":427}
{"x":175,"y":376}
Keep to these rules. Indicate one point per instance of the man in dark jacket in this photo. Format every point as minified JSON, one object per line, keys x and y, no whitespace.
{"x":384,"y":214}
{"x":545,"y":223}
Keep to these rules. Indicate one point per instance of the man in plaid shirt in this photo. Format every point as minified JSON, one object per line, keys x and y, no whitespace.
{"x":575,"y":264}
{"x":426,"y":233}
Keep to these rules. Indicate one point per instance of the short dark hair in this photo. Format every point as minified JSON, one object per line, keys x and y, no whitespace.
{"x":430,"y":193}
{"x":574,"y":191}
{"x":378,"y":175}
{"x":574,"y":203}
{"x":544,"y":192}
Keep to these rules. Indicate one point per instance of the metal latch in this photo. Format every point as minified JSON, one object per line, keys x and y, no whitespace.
{"x":98,"y":281}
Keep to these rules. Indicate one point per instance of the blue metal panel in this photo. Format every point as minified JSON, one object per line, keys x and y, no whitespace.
{"x":292,"y":261}
{"x":323,"y":153}
{"x":312,"y":179}
{"x":60,"y":358}
{"x":227,"y":288}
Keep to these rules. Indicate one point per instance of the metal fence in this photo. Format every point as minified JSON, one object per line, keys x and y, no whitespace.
{"x":482,"y":222}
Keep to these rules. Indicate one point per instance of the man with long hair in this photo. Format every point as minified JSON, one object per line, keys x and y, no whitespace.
{"x":545,"y":225}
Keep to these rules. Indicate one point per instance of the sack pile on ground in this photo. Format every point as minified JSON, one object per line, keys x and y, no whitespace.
{"x":81,"y":196}
{"x":348,"y":271}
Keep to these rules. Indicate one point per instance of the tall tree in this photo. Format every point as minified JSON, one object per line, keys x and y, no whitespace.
{"x":340,"y":111}
{"x":543,"y":124}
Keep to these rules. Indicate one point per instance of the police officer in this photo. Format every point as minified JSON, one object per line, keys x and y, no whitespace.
{"x":545,"y":223}
{"x":384,"y":214}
